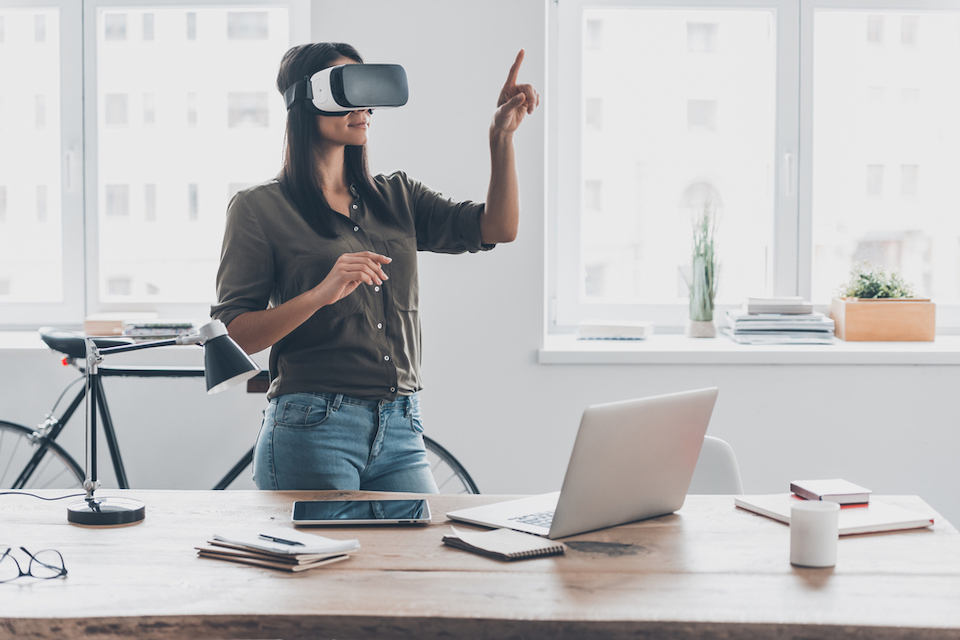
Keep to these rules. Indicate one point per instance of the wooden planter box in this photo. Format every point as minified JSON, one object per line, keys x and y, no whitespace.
{"x":884,"y":319}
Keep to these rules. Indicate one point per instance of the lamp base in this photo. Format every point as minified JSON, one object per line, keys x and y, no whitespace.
{"x":102,"y":512}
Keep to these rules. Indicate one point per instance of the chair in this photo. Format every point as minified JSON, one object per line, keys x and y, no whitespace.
{"x":717,"y":470}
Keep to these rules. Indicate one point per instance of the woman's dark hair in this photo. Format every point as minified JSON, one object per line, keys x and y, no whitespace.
{"x":299,"y":174}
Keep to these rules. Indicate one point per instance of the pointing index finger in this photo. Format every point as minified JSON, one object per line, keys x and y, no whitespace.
{"x":514,"y":70}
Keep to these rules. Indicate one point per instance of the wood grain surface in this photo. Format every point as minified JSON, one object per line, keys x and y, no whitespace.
{"x":708,"y":571}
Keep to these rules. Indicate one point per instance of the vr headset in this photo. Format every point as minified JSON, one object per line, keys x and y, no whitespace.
{"x":335,"y":91}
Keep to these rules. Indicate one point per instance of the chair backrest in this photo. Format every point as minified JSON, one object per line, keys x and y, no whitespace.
{"x":717,"y":470}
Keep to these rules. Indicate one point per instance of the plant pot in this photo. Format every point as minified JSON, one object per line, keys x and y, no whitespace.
{"x":701,"y":329}
{"x":884,"y":319}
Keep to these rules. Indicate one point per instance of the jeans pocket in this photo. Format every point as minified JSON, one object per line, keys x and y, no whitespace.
{"x":301,"y":411}
{"x":416,"y":422}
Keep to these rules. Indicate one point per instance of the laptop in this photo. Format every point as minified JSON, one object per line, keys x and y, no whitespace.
{"x":631,"y":460}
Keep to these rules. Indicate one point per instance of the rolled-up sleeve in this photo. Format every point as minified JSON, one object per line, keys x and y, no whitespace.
{"x":444,"y":225}
{"x":245,"y":280}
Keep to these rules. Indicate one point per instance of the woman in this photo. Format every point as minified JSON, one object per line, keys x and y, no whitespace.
{"x":320,"y":264}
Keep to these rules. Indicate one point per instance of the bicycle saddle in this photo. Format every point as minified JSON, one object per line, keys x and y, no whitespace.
{"x":72,"y":343}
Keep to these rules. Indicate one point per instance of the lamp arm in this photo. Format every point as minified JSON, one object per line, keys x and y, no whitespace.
{"x":211,"y":330}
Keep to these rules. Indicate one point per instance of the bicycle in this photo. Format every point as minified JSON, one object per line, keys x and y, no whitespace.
{"x":32,"y":458}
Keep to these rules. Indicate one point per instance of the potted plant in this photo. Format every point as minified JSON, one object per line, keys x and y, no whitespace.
{"x":702,"y":284}
{"x":878,"y":305}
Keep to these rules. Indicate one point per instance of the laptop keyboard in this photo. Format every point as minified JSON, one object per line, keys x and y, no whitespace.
{"x":542,"y":519}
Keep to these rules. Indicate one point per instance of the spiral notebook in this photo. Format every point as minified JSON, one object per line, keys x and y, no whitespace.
{"x":503,"y":544}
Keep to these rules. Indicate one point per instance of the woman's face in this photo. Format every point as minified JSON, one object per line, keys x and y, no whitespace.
{"x":350,"y":129}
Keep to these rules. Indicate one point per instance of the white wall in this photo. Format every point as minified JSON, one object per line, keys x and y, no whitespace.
{"x":510,"y":420}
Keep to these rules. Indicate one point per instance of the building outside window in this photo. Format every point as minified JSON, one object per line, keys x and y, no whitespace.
{"x":162,"y":148}
{"x":804,"y":124}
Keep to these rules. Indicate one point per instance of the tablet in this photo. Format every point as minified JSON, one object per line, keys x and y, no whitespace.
{"x":343,"y":512}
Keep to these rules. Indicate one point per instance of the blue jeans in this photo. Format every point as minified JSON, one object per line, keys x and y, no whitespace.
{"x":331,"y":441}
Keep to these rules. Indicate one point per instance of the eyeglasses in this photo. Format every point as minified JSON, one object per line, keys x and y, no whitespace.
{"x":44,"y":565}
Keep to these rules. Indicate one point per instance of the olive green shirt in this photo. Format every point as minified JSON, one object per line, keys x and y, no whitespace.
{"x":366,"y":345}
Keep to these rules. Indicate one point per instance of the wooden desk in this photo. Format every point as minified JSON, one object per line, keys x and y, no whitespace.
{"x":708,"y":571}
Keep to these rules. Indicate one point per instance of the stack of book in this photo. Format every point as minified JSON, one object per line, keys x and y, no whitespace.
{"x":279,"y":548}
{"x":624,"y":330}
{"x":156,"y":329}
{"x":778,"y":321}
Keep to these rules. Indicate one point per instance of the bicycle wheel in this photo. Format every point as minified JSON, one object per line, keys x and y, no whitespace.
{"x":57,"y":468}
{"x":450,"y":475}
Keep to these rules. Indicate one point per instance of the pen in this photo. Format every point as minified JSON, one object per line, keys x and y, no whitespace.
{"x":293,"y":543}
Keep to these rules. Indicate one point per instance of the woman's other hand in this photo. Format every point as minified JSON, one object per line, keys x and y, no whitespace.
{"x":349,"y":272}
{"x":515,"y":101}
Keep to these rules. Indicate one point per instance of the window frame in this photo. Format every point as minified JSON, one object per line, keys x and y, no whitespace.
{"x":299,"y":25}
{"x":78,"y":162}
{"x":70,"y":308}
{"x":792,"y":157}
{"x":948,"y":315}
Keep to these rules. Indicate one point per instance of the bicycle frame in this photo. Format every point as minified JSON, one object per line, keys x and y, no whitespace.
{"x":56,"y":425}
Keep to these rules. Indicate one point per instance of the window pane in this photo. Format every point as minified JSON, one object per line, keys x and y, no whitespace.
{"x":886,"y":91}
{"x":695,"y":123}
{"x":31,"y":261}
{"x":247,"y":25}
{"x":218,"y":121}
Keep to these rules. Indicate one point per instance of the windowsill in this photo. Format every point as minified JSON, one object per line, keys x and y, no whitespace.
{"x":672,"y":349}
{"x":679,"y":349}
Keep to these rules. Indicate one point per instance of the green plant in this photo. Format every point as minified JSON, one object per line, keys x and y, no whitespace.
{"x":702,"y":284}
{"x":867,"y":281}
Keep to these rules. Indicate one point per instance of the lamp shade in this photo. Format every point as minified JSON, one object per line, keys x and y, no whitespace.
{"x":225,"y":364}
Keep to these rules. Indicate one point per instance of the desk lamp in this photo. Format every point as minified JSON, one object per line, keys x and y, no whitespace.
{"x":225,"y":365}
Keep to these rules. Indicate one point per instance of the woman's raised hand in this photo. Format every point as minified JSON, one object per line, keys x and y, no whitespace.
{"x":515,"y":101}
{"x":349,"y":272}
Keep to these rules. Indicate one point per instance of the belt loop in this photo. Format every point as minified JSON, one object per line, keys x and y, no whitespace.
{"x":408,"y":406}
{"x":337,"y":399}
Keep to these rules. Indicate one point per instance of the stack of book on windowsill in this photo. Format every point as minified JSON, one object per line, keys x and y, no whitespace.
{"x":278,"y":548}
{"x":778,"y":321}
{"x":156,"y":329}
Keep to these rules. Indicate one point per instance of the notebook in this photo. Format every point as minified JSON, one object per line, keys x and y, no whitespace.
{"x":503,"y":544}
{"x":631,"y":460}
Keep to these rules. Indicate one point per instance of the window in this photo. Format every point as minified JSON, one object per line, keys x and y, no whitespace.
{"x":117,"y":202}
{"x":115,"y":108}
{"x":702,"y":37}
{"x":804,"y":124}
{"x":40,"y":111}
{"x":42,"y":203}
{"x":248,"y":109}
{"x":917,"y":219}
{"x":115,"y":26}
{"x":593,"y":113}
{"x":101,"y":227}
{"x":150,"y":202}
{"x":148,"y":26}
{"x":149,"y":108}
{"x":247,"y":25}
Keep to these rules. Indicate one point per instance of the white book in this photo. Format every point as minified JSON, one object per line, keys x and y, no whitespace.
{"x":624,"y":330}
{"x":788,"y":305}
{"x":770,"y":337}
{"x":287,"y":541}
{"x":873,"y":517}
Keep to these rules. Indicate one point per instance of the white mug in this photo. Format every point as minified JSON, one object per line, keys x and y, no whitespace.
{"x":814,"y":531}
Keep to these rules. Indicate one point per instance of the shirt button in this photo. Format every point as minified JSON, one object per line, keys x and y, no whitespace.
{"x":386,"y":358}
{"x":393,"y":389}
{"x":356,"y":228}
{"x":379,"y":325}
{"x":376,"y":288}
{"x":354,"y":206}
